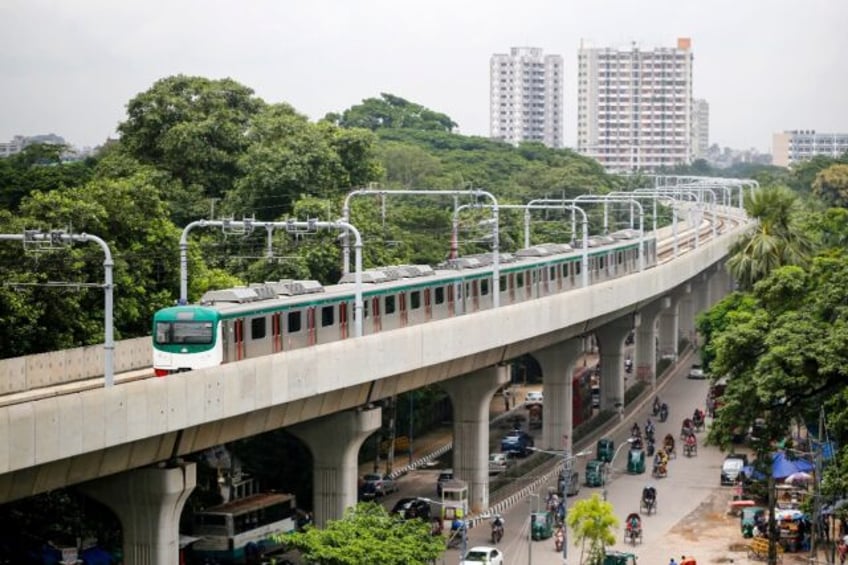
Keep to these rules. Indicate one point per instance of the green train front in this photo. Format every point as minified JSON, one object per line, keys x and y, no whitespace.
{"x":186,"y":338}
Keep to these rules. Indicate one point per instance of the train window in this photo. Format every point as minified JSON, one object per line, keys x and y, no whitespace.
{"x":503,"y":284}
{"x":577,"y":267}
{"x":601,"y":263}
{"x":440,"y":295}
{"x":415,"y":299}
{"x":620,"y":257}
{"x":484,"y":287}
{"x":257,"y":328}
{"x":327,"y":316}
{"x":553,"y":272}
{"x":183,"y":332}
{"x":389,"y":305}
{"x":519,"y":280}
{"x":365,"y":303}
{"x":294,"y":322}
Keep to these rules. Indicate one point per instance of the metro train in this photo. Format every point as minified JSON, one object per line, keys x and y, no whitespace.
{"x":262,"y":319}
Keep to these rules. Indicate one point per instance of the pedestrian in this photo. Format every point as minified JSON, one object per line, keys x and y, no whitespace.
{"x":672,"y":562}
{"x":842,"y":548}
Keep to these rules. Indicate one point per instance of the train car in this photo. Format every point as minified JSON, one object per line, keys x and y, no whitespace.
{"x":246,"y":322}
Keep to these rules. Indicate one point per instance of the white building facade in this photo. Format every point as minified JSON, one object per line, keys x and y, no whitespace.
{"x":525,"y":97}
{"x":791,"y":147}
{"x":700,"y":129}
{"x":634,"y":107}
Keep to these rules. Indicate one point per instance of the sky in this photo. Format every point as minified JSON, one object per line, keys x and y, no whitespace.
{"x":70,"y":66}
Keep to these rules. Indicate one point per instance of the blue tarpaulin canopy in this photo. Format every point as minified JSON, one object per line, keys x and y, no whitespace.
{"x":781,"y":467}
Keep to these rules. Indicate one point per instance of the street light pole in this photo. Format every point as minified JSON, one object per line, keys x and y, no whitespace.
{"x":567,"y":462}
{"x":612,"y":461}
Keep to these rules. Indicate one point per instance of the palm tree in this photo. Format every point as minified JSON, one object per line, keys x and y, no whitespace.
{"x":776,"y":241}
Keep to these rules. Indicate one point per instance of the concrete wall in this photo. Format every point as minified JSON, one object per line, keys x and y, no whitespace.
{"x":69,"y":365}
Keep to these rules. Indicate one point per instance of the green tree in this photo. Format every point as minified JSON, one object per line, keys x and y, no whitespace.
{"x":288,"y":157}
{"x":593,"y":520}
{"x":390,"y":111}
{"x":39,"y":167}
{"x":193,"y":127}
{"x":367,"y":535}
{"x":777,"y":239}
{"x":831,"y":186}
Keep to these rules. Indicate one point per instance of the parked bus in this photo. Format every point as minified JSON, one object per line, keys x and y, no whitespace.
{"x":231,"y":531}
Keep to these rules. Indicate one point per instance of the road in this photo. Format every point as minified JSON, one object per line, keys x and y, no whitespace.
{"x":690,"y":481}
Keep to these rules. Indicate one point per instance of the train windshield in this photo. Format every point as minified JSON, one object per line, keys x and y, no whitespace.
{"x":168,"y":333}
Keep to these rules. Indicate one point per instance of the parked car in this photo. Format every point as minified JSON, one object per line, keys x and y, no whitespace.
{"x":534,"y":397}
{"x":444,"y":476}
{"x":517,"y":442}
{"x":408,"y":508}
{"x":382,"y":484}
{"x":498,"y":462}
{"x":731,"y":469}
{"x":483,"y":554}
{"x":697,"y":372}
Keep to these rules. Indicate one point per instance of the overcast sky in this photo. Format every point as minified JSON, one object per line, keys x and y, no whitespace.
{"x":69,"y":67}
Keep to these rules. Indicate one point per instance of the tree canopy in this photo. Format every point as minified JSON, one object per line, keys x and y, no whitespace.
{"x":390,"y":111}
{"x":368,"y":535}
{"x":593,"y":520}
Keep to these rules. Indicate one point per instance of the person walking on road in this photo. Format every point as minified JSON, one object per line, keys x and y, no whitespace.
{"x":672,"y":562}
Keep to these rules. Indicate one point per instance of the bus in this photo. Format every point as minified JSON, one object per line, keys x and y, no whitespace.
{"x":224,"y":531}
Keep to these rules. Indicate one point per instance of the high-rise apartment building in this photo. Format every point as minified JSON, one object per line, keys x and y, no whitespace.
{"x":791,"y":147}
{"x":525,"y":97}
{"x":634,"y":107}
{"x":700,"y":129}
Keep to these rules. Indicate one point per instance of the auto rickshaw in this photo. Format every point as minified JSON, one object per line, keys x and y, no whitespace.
{"x":748,"y":518}
{"x":613,"y":557}
{"x":541,"y":525}
{"x":605,"y":449}
{"x":595,"y":473}
{"x":636,"y":461}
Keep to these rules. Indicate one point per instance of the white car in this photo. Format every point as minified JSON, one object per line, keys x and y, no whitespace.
{"x":697,"y":372}
{"x":483,"y":554}
{"x":498,"y":462}
{"x":534,"y":397}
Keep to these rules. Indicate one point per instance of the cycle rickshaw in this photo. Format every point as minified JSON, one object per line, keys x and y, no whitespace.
{"x":633,"y":528}
{"x":690,"y":446}
{"x":648,"y":503}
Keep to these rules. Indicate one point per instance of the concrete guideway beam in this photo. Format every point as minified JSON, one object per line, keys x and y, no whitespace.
{"x":646,"y":339}
{"x":611,"y":338}
{"x":471,"y":395}
{"x":148,"y":503}
{"x":557,"y":363}
{"x":334,"y":441}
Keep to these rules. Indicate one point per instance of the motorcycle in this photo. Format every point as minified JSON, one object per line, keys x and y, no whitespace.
{"x":497,"y":532}
{"x":650,"y":448}
{"x":663,"y":412}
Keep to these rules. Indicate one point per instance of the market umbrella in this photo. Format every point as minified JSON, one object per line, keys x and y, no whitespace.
{"x":782,"y":466}
{"x":798,"y":477}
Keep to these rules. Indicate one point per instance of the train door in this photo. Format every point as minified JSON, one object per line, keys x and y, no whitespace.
{"x":404,"y":314}
{"x":475,"y":295}
{"x":529,"y":277}
{"x":511,"y":283}
{"x":343,"y":320}
{"x":428,"y":305}
{"x":310,"y":325}
{"x":276,"y":332}
{"x":375,"y":315}
{"x":451,"y":302}
{"x":238,"y":339}
{"x":459,"y":295}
